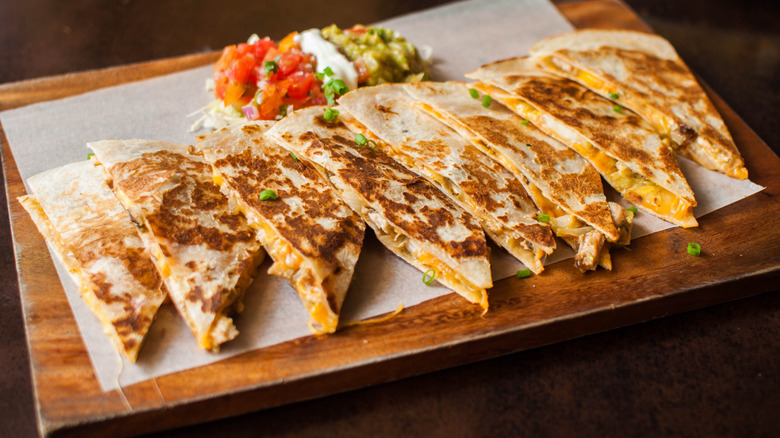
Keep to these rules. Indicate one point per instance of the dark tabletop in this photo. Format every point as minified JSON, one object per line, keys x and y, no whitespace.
{"x":710,"y":372}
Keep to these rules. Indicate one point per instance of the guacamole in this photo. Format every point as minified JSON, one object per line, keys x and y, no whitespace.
{"x":380,"y":55}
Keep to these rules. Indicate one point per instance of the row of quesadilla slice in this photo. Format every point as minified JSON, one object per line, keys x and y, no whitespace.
{"x":430,"y":169}
{"x":145,"y":219}
{"x":196,"y":226}
{"x":627,"y":103}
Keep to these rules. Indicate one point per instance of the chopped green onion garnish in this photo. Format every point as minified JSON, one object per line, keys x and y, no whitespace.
{"x":328,"y":71}
{"x":283,"y":110}
{"x":474,"y":93}
{"x":268,"y":195}
{"x":486,"y":100}
{"x":331,"y":114}
{"x":319,"y":76}
{"x":90,"y":155}
{"x":333,"y":87}
{"x":543,"y":217}
{"x":617,"y":109}
{"x":524,"y":273}
{"x":525,"y":123}
{"x":632,"y":209}
{"x":270,"y":67}
{"x":339,"y":86}
{"x":362,"y":140}
{"x":428,"y":276}
{"x":329,"y":94}
{"x":294,"y":157}
{"x":613,"y":95}
{"x":694,"y":249}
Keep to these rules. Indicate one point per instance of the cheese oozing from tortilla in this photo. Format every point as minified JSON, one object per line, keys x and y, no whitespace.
{"x":313,"y":237}
{"x":643,"y":72}
{"x":634,"y":187}
{"x":528,"y":252}
{"x":564,"y":225}
{"x":291,"y":265}
{"x":409,"y":216}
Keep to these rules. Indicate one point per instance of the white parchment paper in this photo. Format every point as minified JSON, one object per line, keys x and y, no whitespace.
{"x":462,"y":35}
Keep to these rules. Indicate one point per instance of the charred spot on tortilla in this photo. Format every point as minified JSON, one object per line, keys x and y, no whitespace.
{"x":313,"y":237}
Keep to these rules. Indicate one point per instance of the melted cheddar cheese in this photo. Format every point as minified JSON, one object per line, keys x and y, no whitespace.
{"x":474,"y":294}
{"x":638,"y":189}
{"x":660,"y":121}
{"x":289,"y":264}
{"x":631,"y":185}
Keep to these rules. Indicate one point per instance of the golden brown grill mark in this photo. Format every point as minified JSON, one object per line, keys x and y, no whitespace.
{"x":434,"y":149}
{"x":662,"y":82}
{"x":105,"y":240}
{"x":249,"y":174}
{"x":134,"y":322}
{"x":617,"y":132}
{"x":385,"y":110}
{"x":191,"y":191}
{"x":371,"y":174}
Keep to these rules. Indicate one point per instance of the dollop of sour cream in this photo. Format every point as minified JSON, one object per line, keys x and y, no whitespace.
{"x":328,"y":55}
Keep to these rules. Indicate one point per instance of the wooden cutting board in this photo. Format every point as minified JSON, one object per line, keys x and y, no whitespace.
{"x":655,"y":278}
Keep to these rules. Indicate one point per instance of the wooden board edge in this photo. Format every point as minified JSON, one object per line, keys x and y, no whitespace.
{"x":413,"y":364}
{"x":22,"y":93}
{"x":6,"y":157}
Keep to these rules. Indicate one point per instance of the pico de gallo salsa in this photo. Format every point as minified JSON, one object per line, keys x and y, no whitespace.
{"x":263,"y":80}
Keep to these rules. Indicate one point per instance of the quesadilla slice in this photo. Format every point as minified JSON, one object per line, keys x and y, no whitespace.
{"x":204,"y":249}
{"x":91,"y":234}
{"x":562,"y":184}
{"x":627,"y":152}
{"x":312,"y":235}
{"x":408,"y":214}
{"x":643,"y":72}
{"x":476,"y":182}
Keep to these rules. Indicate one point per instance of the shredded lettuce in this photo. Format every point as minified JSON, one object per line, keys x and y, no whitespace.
{"x":216,"y":115}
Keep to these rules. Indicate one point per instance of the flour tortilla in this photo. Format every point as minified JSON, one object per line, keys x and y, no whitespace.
{"x":476,"y":182}
{"x":640,"y":160}
{"x":89,"y":231}
{"x":643,"y":72}
{"x":562,"y":176}
{"x":409,"y":215}
{"x":313,"y":237}
{"x":203,"y":247}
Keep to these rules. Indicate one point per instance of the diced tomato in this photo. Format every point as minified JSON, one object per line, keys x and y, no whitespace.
{"x":244,"y":49}
{"x":358,"y":28}
{"x":229,"y":54}
{"x":240,"y":72}
{"x":233,"y":92}
{"x":272,"y":100}
{"x":282,"y":86}
{"x":289,"y":61}
{"x":240,"y":69}
{"x":262,"y":46}
{"x":288,"y":42}
{"x":301,"y":84}
{"x":272,"y":53}
{"x":219,"y":87}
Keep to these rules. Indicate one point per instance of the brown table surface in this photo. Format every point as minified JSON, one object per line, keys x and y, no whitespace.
{"x":710,"y":372}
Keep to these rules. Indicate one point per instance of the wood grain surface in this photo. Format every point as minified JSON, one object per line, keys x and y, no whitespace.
{"x":656,"y":277}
